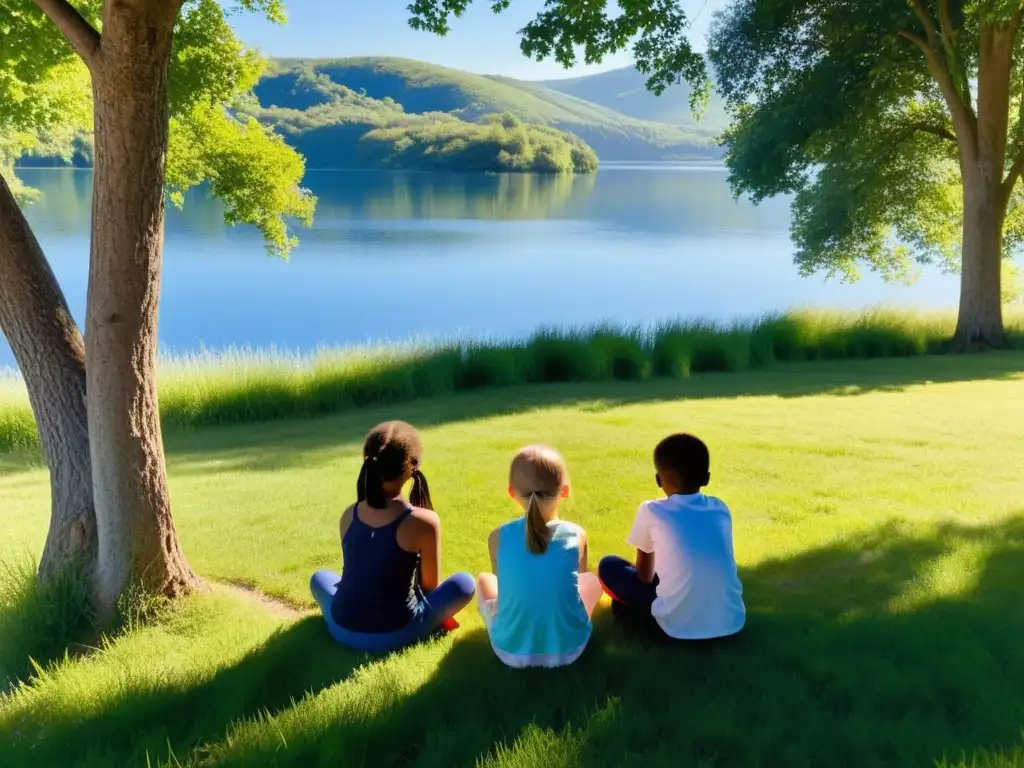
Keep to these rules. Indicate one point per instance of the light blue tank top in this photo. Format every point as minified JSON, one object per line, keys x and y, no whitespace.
{"x":540,"y":612}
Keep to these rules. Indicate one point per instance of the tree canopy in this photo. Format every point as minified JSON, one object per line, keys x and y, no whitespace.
{"x":655,"y":31}
{"x":879,"y":118}
{"x":45,"y":97}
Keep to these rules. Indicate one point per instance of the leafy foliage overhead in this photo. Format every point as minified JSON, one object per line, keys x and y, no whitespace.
{"x":655,"y":28}
{"x":846,"y":106}
{"x":45,"y":98}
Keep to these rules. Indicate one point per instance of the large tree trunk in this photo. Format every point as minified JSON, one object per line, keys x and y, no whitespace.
{"x":138,"y":543}
{"x":980,"y":320}
{"x":982,"y":160}
{"x":48,"y":348}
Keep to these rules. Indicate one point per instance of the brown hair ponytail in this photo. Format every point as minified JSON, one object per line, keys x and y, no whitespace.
{"x":536,"y":527}
{"x":419,"y":496}
{"x":538,"y":476}
{"x":370,"y":486}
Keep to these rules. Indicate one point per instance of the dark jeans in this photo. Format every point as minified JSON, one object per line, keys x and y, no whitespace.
{"x":631,"y":598}
{"x":451,"y":596}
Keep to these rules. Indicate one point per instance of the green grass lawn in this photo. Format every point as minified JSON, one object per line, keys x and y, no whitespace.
{"x":879,"y":523}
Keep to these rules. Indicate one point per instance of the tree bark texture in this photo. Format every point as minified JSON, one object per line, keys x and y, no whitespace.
{"x":982,"y":163}
{"x":138,"y":543}
{"x":980,"y":319}
{"x":49,"y":351}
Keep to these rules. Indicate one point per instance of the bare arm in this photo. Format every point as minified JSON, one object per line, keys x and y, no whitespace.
{"x":645,"y":566}
{"x":344,"y":523}
{"x":583,"y":553}
{"x":492,"y":547}
{"x":430,"y":550}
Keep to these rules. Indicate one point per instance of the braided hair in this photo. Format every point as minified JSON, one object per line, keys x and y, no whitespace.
{"x":391,"y":451}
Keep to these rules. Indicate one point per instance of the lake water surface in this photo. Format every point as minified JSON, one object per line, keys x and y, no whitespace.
{"x":402,"y":255}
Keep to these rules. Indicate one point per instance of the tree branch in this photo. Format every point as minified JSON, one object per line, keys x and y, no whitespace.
{"x":1014,"y":173}
{"x":934,"y":129}
{"x":82,"y":36}
{"x":1015,"y":22}
{"x":948,"y":34}
{"x":946,"y":27}
{"x":934,"y":39}
{"x":963,"y":116}
{"x":1017,"y":167}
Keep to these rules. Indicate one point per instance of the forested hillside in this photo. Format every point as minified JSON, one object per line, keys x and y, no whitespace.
{"x":322,"y":106}
{"x":392,"y":112}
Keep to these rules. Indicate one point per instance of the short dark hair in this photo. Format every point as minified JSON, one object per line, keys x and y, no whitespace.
{"x":685,"y":456}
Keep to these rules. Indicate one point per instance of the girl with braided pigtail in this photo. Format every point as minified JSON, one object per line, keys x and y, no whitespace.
{"x":389,"y":594}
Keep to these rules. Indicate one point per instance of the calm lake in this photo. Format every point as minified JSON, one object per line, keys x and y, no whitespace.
{"x":401,"y":255}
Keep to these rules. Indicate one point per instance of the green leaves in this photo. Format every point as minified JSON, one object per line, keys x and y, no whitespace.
{"x":45,"y":97}
{"x":498,"y":143}
{"x":655,"y":28}
{"x":835,"y":106}
{"x":42,"y":82}
{"x":208,"y":63}
{"x":248,"y":167}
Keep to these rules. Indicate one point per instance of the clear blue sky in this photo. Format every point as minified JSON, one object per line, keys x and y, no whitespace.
{"x":479,"y":42}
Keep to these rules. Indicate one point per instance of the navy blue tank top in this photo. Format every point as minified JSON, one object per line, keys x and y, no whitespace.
{"x":380,"y":582}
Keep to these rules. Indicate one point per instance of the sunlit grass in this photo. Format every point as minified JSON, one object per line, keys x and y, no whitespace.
{"x":879,"y":528}
{"x":245,"y":385}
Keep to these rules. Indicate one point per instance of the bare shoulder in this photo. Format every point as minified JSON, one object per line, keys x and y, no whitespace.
{"x":346,"y":519}
{"x":425,"y":519}
{"x":492,"y":538}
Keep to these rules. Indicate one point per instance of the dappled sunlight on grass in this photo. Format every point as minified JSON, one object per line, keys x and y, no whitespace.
{"x":807,"y":682}
{"x":880,"y":540}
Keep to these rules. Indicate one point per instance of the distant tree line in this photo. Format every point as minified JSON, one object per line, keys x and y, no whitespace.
{"x":498,"y":143}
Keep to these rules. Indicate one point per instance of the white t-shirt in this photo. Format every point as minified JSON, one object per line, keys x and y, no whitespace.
{"x":699,"y":594}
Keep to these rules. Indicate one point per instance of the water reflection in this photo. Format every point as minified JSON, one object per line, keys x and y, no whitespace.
{"x":478,"y":254}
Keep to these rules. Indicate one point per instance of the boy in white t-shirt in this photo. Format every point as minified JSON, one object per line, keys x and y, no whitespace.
{"x":684,"y":584}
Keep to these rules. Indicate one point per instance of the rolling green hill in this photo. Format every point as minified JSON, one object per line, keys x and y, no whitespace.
{"x":321,"y":105}
{"x":624,"y":90}
{"x":326,"y":109}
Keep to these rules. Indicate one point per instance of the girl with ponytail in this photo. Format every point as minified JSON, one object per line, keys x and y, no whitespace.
{"x":389,"y":594}
{"x":540,"y":617}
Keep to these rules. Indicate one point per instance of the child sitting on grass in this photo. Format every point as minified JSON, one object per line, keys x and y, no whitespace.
{"x":388,"y":595}
{"x":540,"y":616}
{"x":684,"y":584}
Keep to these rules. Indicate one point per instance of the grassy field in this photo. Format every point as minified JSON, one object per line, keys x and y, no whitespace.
{"x":879,"y":528}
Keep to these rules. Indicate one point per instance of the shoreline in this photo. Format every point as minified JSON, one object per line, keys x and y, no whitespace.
{"x":208,"y":387}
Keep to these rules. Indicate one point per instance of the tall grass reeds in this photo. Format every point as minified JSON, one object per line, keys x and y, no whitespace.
{"x":208,"y":388}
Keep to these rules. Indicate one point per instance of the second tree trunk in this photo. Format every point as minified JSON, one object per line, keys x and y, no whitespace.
{"x":137,"y":538}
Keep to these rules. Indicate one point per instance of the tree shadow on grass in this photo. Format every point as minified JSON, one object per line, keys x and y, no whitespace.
{"x":280,"y":445}
{"x":895,"y":648}
{"x":154,"y":714}
{"x":844,"y":661}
